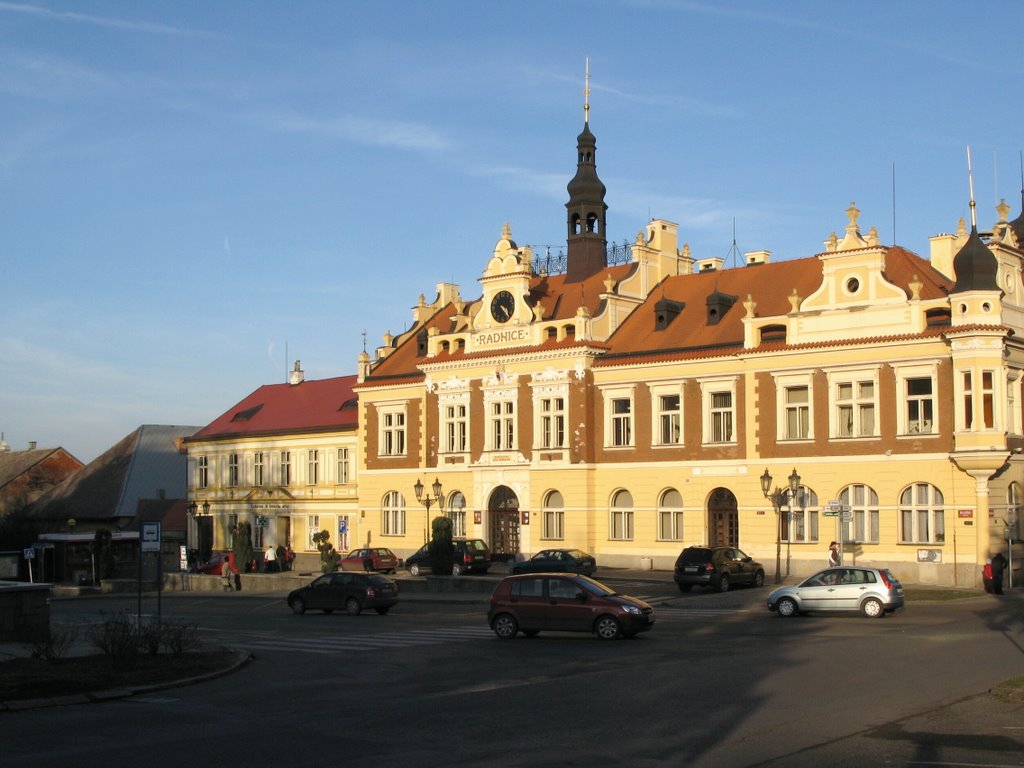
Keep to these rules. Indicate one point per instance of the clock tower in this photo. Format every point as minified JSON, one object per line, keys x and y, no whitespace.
{"x":586,"y":209}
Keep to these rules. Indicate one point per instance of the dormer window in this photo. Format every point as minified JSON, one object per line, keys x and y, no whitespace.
{"x":665,"y":311}
{"x":718,"y":304}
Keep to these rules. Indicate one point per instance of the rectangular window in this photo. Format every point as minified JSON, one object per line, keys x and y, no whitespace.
{"x":455,"y":428}
{"x":312,"y":527}
{"x":313,"y":475}
{"x":855,"y":409}
{"x":203,"y":481}
{"x":670,"y":524}
{"x":458,"y":518}
{"x":968,"y":401}
{"x":669,"y":420}
{"x":721,"y":417}
{"x":622,"y":421}
{"x":798,"y":413}
{"x":622,"y":524}
{"x":392,"y":433}
{"x":286,"y":467}
{"x":920,"y":406}
{"x":343,"y":467}
{"x":988,"y":399}
{"x":554,"y":524}
{"x":502,"y":425}
{"x":552,"y":422}
{"x":257,"y":468}
{"x":232,"y":470}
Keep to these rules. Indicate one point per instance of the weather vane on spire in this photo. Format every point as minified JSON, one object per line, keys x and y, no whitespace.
{"x":586,"y":94}
{"x":970,"y":182}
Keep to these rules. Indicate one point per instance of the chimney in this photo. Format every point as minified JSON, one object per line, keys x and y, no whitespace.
{"x":31,"y":445}
{"x":297,"y":376}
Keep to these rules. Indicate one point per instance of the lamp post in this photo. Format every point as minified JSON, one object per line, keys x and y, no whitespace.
{"x":427,"y":501}
{"x":190,"y":534}
{"x":778,"y":497}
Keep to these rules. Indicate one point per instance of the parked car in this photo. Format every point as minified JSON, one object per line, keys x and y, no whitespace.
{"x":718,"y":567}
{"x":872,"y":591}
{"x":471,"y":556}
{"x":558,"y":560}
{"x":216,"y":562}
{"x":531,"y":603}
{"x":348,"y":591}
{"x":369,"y":559}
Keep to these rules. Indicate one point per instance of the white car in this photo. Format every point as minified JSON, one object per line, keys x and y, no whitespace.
{"x":872,"y":591}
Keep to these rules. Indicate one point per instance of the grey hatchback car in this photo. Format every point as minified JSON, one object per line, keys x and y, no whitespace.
{"x":872,"y":591}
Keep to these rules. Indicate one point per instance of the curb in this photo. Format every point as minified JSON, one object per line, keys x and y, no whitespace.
{"x":241,"y":658}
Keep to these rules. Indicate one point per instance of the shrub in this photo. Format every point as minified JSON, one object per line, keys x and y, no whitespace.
{"x":115,"y":636}
{"x":440,"y":547}
{"x":58,"y":642}
{"x":178,"y":638}
{"x":328,"y":557}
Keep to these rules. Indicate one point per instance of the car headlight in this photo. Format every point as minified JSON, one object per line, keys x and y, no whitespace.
{"x":632,"y":609}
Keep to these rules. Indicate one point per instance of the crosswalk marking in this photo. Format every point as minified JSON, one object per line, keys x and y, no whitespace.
{"x":367,"y":642}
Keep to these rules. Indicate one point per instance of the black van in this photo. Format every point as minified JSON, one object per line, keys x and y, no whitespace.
{"x":471,"y":556}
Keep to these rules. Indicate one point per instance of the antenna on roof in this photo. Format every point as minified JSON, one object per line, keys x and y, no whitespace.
{"x":364,"y":340}
{"x":286,"y":360}
{"x":734,"y":252}
{"x":970,"y":182}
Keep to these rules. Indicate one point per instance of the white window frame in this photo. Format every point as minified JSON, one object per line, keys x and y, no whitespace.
{"x":670,"y":515}
{"x":801,"y":517}
{"x":456,"y":512}
{"x":710,"y":411}
{"x":312,"y":466}
{"x":286,"y":468}
{"x":455,"y":427}
{"x":663,"y":419}
{"x":392,"y":426}
{"x":344,"y":467}
{"x":620,"y":517}
{"x":312,"y":527}
{"x":258,"y":475}
{"x":864,"y":528}
{"x":234,"y":474}
{"x":501,"y":424}
{"x":906,"y":424}
{"x":784,"y":384}
{"x":393,"y":516}
{"x":922,"y":517}
{"x":856,"y":378}
{"x":616,"y":422}
{"x":203,"y":472}
{"x":553,"y":516}
{"x":552,"y":420}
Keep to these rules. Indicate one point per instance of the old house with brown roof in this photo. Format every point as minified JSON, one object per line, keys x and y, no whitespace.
{"x":630,"y":408}
{"x":26,"y":475}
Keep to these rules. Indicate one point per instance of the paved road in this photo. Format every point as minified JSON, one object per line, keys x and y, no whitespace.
{"x":718,"y":682}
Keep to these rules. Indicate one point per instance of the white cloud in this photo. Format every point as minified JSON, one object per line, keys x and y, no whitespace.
{"x":385,"y":133}
{"x":100,"y":21}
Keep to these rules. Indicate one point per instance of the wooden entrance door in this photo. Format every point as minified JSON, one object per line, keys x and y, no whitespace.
{"x":503,"y":511}
{"x":723,"y":519}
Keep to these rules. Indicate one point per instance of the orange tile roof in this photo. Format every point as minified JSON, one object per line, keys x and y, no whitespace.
{"x":324,"y":404}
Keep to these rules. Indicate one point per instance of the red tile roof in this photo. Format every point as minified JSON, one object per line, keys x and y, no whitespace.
{"x":310,"y":406}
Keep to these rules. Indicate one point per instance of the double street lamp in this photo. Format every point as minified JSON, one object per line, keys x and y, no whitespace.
{"x":778,"y":498}
{"x":428,"y":501}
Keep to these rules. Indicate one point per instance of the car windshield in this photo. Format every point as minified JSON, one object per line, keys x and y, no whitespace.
{"x":596,"y":587}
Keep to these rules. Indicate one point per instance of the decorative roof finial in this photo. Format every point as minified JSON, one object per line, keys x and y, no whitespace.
{"x":586,"y":94}
{"x":970,"y":182}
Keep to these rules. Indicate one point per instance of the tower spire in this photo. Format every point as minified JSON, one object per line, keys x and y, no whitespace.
{"x":586,"y":93}
{"x":586,"y":209}
{"x":970,"y":182}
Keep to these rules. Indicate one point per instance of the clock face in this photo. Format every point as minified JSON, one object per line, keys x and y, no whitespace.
{"x":502,"y":306}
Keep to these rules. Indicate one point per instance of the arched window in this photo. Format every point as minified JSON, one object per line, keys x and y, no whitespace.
{"x":800,"y":519}
{"x":863,"y":503}
{"x":554,"y":516}
{"x":620,"y":524}
{"x":456,"y":503}
{"x":921,"y":515}
{"x":670,"y":516}
{"x":393,"y":509}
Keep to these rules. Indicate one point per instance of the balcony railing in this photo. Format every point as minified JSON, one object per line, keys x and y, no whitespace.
{"x":552,"y":259}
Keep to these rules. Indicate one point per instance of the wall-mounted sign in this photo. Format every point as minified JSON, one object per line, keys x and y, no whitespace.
{"x":966,"y":513}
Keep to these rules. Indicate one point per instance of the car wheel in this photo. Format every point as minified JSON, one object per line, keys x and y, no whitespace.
{"x":787,"y":607}
{"x":685,"y":587}
{"x":382,"y":611}
{"x":607,"y":628}
{"x":723,"y":583}
{"x":758,"y":579}
{"x":352,"y":607}
{"x":458,"y":569}
{"x":414,"y":569}
{"x":505,"y":626}
{"x":298,"y":605}
{"x":531,"y":632}
{"x":873,"y":608}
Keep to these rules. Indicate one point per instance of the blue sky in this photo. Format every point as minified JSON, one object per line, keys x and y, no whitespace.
{"x":186,"y":188}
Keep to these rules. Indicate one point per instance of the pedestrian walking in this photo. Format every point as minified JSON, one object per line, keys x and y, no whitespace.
{"x":226,"y":577}
{"x":998,"y":564}
{"x":833,"y":555}
{"x":270,"y":560}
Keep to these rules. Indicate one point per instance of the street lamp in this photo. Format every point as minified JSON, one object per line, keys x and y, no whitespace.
{"x":427,"y":501}
{"x":778,"y":497}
